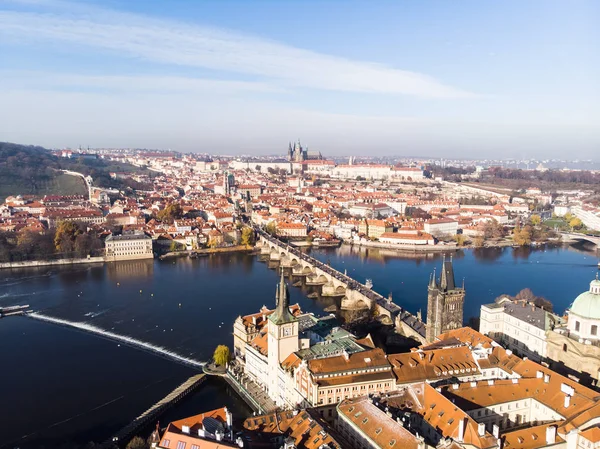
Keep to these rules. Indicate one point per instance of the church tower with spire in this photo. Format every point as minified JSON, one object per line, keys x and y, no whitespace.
{"x":445,"y":302}
{"x":282,"y":336}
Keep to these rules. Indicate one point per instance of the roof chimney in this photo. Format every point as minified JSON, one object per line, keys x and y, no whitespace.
{"x":496,"y":431}
{"x":539,"y":374}
{"x":481,"y":429}
{"x":567,"y":401}
{"x":228,"y":418}
{"x":546,"y":378}
{"x":550,"y":434}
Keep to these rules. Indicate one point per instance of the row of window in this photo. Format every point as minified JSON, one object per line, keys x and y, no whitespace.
{"x":593,"y":329}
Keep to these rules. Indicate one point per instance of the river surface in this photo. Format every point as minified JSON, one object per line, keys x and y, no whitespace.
{"x":62,"y":384}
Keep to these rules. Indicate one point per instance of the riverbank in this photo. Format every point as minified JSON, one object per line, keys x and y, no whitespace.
{"x":305,"y":244}
{"x":208,"y":251}
{"x":404,"y":248}
{"x":45,"y":263}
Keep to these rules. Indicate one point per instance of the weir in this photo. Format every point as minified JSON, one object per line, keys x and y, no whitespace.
{"x":129,"y":341}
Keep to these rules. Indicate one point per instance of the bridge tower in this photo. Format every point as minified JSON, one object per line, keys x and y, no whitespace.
{"x":445,"y":302}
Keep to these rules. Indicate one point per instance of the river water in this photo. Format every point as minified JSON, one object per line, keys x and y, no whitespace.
{"x":62,"y":384}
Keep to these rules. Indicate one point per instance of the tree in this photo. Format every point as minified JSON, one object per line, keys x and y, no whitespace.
{"x":460,"y":239}
{"x":247,"y":237}
{"x":568,"y":217}
{"x":522,"y":236}
{"x":221,"y":356}
{"x":174,"y":246}
{"x":172,"y":212}
{"x":493,"y":230}
{"x":479,"y":241}
{"x":271,"y":228}
{"x":575,"y":223}
{"x":257,"y":168}
{"x":137,"y":443}
{"x":535,"y":220}
{"x":66,"y":233}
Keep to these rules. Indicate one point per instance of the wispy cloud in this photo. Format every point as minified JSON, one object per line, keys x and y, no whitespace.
{"x":180,"y":44}
{"x":121,"y":83}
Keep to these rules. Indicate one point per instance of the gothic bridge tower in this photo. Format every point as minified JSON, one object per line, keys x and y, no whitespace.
{"x":445,"y":302}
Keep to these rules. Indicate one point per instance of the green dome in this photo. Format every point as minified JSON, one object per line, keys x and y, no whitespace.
{"x":587,"y":305}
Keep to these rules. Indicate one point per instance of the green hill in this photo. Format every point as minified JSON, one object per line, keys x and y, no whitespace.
{"x":33,"y":170}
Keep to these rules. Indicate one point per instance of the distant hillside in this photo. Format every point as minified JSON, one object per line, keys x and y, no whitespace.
{"x":32,"y":170}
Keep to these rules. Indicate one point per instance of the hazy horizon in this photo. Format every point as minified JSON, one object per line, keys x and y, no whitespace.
{"x":410,"y":79}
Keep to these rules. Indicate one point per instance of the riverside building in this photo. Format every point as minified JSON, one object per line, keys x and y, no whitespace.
{"x":127,"y":247}
{"x":519,"y":326}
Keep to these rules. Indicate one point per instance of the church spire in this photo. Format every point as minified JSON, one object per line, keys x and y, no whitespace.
{"x":432,"y":281}
{"x":447,"y":277}
{"x":282,"y":312}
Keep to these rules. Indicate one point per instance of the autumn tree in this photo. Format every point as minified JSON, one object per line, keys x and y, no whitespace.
{"x":493,"y":230}
{"x":66,"y":233}
{"x":479,"y":241}
{"x":535,"y":220}
{"x":221,"y":356}
{"x":459,"y":239}
{"x":522,"y":236}
{"x":271,"y":228}
{"x":575,"y":223}
{"x":170,"y":213}
{"x":247,"y":238}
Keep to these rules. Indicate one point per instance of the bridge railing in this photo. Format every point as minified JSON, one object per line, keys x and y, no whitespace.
{"x":350,"y":282}
{"x":391,"y":307}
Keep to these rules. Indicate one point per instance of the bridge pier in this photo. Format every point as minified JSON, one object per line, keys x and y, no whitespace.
{"x":355,"y":296}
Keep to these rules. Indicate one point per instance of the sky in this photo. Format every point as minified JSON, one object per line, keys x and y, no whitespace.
{"x":451,"y":79}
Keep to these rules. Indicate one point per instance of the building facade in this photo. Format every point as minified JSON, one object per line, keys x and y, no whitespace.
{"x":519,"y":326}
{"x":128,"y":247}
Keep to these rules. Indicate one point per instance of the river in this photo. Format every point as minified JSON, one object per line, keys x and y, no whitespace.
{"x":65,"y":384}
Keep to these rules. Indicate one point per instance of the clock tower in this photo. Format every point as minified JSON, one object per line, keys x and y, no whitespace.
{"x":282,"y":337}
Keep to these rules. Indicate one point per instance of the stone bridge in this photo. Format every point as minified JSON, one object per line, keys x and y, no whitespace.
{"x":354,"y":294}
{"x":574,"y":236}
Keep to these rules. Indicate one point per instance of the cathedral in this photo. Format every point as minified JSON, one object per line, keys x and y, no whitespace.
{"x":445,"y":302}
{"x":296,"y":153}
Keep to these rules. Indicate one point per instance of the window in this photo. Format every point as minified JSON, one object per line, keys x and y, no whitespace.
{"x":594,"y":330}
{"x":180,"y":445}
{"x":166,"y":443}
{"x":577,"y":325}
{"x":564,"y":347}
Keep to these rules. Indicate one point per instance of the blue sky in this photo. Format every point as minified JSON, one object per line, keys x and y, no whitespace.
{"x":414,"y":78}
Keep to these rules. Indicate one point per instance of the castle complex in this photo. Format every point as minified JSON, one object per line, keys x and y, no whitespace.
{"x":298,"y":154}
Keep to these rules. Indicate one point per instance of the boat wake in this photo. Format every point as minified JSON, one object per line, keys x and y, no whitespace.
{"x":130,"y":341}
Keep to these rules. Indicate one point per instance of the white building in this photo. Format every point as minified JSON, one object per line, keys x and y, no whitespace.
{"x":366,"y":171}
{"x":560,"y":210}
{"x":127,"y":247}
{"x":518,"y":325}
{"x":371,"y":210}
{"x":589,"y":217}
{"x":441,"y":226}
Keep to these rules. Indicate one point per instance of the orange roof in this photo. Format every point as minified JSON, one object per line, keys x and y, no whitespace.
{"x":306,"y":430}
{"x":365,"y":359}
{"x":376,"y":425}
{"x":592,"y":434}
{"x":433,"y":364}
{"x":528,"y":438}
